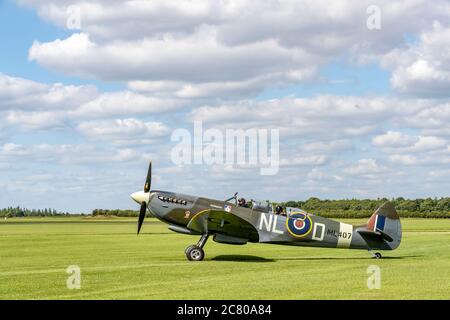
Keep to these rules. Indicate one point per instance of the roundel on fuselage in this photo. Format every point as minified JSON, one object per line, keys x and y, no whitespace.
{"x":299,"y":224}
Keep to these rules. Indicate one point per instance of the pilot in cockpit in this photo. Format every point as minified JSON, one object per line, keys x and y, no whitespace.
{"x":242,"y":203}
{"x":280,"y":211}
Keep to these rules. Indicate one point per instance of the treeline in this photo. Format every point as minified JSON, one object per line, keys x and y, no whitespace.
{"x":23,"y":212}
{"x":348,"y":208}
{"x":355,"y":208}
{"x":115,"y":212}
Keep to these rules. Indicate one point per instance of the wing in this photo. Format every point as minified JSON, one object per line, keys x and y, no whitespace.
{"x":222,"y":222}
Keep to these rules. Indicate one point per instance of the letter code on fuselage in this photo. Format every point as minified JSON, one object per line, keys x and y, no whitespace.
{"x":298,"y":225}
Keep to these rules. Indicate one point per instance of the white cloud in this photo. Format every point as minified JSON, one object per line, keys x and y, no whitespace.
{"x":367,"y":168}
{"x":123,"y":103}
{"x":432,"y":119}
{"x":67,"y":154}
{"x":214,"y":48}
{"x":306,"y":160}
{"x":196,"y":58}
{"x":337,"y":24}
{"x":397,"y":142}
{"x":123,"y":131}
{"x":23,"y":94}
{"x":327,"y":146}
{"x":317,"y":174}
{"x":40,"y":120}
{"x":31,"y":105}
{"x":429,"y":143}
{"x":111,"y":19}
{"x":222,"y":89}
{"x":393,"y":139}
{"x":324,"y":116}
{"x":407,"y":150}
{"x":420,"y":160}
{"x":440,"y":174}
{"x":423,"y":68}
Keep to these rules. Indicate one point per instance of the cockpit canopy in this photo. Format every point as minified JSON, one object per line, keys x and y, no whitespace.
{"x":290,"y":210}
{"x":262,"y":206}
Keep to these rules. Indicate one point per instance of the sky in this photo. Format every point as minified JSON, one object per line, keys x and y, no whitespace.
{"x":91,"y":91}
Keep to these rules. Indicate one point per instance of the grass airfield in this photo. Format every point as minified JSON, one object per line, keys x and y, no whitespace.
{"x":117,"y":264}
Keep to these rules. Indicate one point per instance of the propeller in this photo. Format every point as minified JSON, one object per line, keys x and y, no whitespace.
{"x":147,"y":186}
{"x":148,"y":181}
{"x":142,"y":216}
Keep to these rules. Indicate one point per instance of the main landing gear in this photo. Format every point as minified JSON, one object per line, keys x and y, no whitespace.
{"x":375,"y":255}
{"x":195,"y":252}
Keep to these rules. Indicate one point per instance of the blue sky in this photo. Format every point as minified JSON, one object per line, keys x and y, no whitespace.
{"x":361,"y":113}
{"x":20,"y":26}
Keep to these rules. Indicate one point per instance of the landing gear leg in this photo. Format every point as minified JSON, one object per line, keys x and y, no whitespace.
{"x":195,"y":252}
{"x":375,"y":255}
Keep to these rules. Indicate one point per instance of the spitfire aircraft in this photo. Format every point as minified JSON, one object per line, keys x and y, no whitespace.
{"x":236,"y":223}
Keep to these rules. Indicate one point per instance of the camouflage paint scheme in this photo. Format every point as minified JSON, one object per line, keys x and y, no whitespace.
{"x":232,"y":224}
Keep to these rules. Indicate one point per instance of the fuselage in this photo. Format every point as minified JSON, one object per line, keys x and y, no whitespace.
{"x":233,"y":224}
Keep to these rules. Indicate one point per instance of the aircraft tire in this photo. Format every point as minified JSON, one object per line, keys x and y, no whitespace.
{"x":378,"y":255}
{"x":188,"y":248}
{"x":195,"y":253}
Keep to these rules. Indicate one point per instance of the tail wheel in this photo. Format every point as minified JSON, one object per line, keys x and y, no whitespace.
{"x":195,"y":253}
{"x":377,"y":255}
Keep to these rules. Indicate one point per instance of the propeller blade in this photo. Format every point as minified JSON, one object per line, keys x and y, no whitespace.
{"x":148,"y":181}
{"x":142,"y":216}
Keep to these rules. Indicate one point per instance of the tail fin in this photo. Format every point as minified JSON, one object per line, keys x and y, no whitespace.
{"x":386,"y":221}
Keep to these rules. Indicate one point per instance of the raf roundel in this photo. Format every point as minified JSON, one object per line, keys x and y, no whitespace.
{"x":299,"y":224}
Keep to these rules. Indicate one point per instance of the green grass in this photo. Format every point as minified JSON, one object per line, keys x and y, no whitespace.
{"x":116,"y":264}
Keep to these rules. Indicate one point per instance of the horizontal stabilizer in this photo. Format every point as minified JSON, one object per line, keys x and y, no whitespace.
{"x":375,"y":234}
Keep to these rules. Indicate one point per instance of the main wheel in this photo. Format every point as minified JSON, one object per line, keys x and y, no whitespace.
{"x":378,"y":255}
{"x":188,"y":248}
{"x":195,"y":253}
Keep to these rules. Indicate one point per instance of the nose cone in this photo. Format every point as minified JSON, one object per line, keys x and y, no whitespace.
{"x":140,"y":197}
